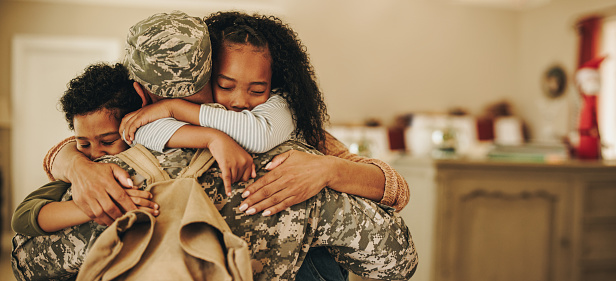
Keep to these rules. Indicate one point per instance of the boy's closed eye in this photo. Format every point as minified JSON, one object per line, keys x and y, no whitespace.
{"x":109,"y":138}
{"x":83,"y":145}
{"x":109,"y":142}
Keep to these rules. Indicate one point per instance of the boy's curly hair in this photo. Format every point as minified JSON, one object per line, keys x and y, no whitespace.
{"x":101,"y":86}
{"x":292,"y":72}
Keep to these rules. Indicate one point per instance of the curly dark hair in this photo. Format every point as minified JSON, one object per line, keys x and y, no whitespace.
{"x":101,"y":86}
{"x":292,"y":72}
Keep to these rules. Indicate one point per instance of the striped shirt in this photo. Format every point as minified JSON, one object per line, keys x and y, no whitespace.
{"x":258,"y":130}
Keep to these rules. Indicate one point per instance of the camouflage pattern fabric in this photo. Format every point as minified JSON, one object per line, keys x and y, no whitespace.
{"x":169,"y":54}
{"x":60,"y":255}
{"x":366,"y":238}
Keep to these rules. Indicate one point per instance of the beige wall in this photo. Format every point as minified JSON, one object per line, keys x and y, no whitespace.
{"x":376,"y":58}
{"x":383,"y":58}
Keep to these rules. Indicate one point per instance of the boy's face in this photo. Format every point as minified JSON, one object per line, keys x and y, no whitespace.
{"x":243,"y":77}
{"x":97,"y":134}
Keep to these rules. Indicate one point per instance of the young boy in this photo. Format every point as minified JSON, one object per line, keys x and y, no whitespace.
{"x":94,"y":105}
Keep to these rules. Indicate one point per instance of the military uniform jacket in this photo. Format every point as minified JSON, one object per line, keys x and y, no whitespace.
{"x":189,"y":240}
{"x":369,"y":239}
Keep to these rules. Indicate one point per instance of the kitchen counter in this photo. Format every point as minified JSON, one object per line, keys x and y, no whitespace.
{"x":479,"y":219}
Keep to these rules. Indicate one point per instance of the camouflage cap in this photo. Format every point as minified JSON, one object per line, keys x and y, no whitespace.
{"x":169,"y":54}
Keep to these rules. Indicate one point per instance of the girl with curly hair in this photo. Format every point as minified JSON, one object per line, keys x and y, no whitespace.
{"x":237,"y":38}
{"x":261,"y":69}
{"x":263,"y":77}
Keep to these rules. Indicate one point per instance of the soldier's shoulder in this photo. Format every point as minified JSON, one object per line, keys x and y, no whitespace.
{"x":111,"y":159}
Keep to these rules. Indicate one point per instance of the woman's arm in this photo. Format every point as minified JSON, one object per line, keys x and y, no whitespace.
{"x":50,"y":157}
{"x":96,"y":186}
{"x":395,"y":192}
{"x":299,"y":176}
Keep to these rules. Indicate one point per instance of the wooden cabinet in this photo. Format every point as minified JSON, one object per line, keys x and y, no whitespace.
{"x":597,"y":253}
{"x":501,"y":221}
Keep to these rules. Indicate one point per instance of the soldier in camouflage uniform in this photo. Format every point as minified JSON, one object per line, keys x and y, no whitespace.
{"x":367,"y":238}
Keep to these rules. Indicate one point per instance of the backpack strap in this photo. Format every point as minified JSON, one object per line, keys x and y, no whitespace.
{"x":144,"y":163}
{"x":201,"y":162}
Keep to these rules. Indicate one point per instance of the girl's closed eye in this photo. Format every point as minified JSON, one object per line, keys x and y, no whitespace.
{"x":109,"y":142}
{"x":225,"y":84}
{"x":258,"y":92}
{"x":224,"y":88}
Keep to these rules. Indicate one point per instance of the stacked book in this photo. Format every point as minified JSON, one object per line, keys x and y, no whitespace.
{"x":543,"y":153}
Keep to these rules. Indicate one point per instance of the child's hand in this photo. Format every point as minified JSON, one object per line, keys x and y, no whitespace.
{"x":132,"y":121}
{"x":142,"y":199}
{"x":234,"y":162}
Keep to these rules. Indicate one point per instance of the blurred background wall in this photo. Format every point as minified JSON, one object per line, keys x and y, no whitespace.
{"x":373,"y":58}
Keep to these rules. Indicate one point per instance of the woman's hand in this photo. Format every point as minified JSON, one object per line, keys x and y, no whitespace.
{"x":96,"y":189}
{"x":234,"y":162}
{"x":294,"y":177}
{"x":149,"y":113}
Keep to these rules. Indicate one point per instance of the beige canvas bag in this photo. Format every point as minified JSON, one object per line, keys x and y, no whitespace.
{"x":189,"y":240}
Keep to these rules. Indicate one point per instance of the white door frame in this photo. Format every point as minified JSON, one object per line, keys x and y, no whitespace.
{"x":41,"y":68}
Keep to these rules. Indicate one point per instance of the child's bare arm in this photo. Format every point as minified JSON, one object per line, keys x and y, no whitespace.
{"x":59,"y":215}
{"x":234,"y":162}
{"x":179,"y":109}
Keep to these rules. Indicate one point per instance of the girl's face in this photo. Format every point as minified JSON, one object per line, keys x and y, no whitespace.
{"x":97,"y":134}
{"x":243,"y":77}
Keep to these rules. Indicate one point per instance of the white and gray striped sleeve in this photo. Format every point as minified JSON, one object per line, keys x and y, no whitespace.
{"x":155,"y":135}
{"x":259,"y":130}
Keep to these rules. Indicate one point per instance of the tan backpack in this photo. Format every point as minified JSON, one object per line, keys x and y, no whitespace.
{"x":189,"y":240}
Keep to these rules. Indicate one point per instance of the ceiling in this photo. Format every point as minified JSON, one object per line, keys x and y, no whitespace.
{"x":270,"y":5}
{"x":506,"y":4}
